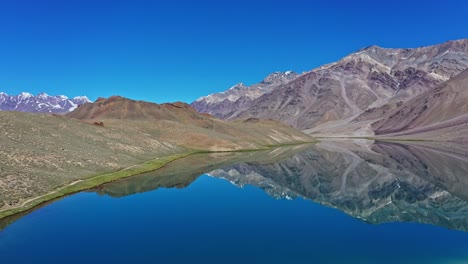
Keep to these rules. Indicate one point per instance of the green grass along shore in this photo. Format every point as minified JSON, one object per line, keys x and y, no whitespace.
{"x":81,"y":185}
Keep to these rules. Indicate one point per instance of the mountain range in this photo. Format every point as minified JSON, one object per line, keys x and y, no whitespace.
{"x":41,"y":103}
{"x":357,"y":95}
{"x":239,"y":98}
{"x":408,"y":93}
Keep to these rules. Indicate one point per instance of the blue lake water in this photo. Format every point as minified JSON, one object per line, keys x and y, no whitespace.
{"x":211,"y":220}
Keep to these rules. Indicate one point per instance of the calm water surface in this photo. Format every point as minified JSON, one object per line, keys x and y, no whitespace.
{"x":331,"y":203}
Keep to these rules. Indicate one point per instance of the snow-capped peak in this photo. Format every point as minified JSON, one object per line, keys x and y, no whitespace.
{"x":240,"y":90}
{"x":43,"y":95}
{"x":82,"y":99}
{"x":25,"y":95}
{"x":280,"y":77}
{"x":237,"y":86}
{"x":41,"y":103}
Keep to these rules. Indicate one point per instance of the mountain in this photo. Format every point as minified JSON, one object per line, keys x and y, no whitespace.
{"x":180,"y":124}
{"x":239,"y":97}
{"x":112,"y":137}
{"x":440,"y":114}
{"x":42,"y":152}
{"x":347,"y":96}
{"x":41,"y":103}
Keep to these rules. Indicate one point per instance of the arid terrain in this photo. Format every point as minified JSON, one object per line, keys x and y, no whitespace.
{"x":357,"y":95}
{"x":42,"y":153}
{"x":438,"y":114}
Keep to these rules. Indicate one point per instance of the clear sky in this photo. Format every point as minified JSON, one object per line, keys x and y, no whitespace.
{"x":179,"y":50}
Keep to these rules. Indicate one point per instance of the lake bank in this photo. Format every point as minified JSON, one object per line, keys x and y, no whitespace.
{"x":85,"y":184}
{"x":97,"y":180}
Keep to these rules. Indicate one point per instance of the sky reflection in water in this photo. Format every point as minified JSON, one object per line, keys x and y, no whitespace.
{"x":139,"y":220}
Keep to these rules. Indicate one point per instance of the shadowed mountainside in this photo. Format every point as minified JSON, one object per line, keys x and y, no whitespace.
{"x":440,"y":113}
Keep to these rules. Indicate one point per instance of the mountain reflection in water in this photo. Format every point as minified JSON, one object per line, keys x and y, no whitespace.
{"x":376,"y":182}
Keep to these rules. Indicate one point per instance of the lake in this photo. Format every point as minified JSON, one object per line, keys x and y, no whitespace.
{"x":332,"y":202}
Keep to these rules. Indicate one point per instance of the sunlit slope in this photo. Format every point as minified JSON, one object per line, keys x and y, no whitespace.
{"x":40,"y":153}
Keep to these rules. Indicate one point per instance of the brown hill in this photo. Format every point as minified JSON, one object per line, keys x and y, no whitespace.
{"x":180,"y":124}
{"x":117,"y":107}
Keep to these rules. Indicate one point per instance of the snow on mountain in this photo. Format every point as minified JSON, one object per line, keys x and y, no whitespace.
{"x":41,"y":103}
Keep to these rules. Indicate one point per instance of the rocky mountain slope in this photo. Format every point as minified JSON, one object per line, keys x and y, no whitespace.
{"x":440,"y":113}
{"x":41,"y":103}
{"x":240,"y":97}
{"x":347,"y":96}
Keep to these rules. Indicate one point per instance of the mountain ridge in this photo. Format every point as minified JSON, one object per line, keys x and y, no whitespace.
{"x":240,"y":96}
{"x":40,"y":103}
{"x":345,"y":97}
{"x":180,"y":124}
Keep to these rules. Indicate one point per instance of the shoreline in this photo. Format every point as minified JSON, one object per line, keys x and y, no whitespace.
{"x":148,"y":166}
{"x":94,"y":181}
{"x":86,"y":184}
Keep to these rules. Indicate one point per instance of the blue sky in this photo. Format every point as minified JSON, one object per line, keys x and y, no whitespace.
{"x":179,"y":50}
